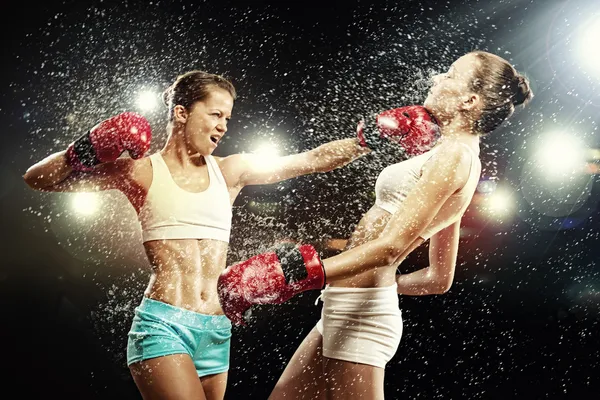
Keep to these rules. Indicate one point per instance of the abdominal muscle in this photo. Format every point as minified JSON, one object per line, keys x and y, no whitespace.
{"x":185,"y":273}
{"x":370,"y":228}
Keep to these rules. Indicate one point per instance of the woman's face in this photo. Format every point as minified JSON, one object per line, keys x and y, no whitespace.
{"x":450,"y":90}
{"x":206,"y":121}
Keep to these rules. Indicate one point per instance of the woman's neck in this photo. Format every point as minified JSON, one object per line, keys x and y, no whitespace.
{"x":458,"y":128}
{"x":177,"y":149}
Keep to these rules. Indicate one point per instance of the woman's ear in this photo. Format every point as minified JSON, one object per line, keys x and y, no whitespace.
{"x":470,"y":101}
{"x":180,"y":114}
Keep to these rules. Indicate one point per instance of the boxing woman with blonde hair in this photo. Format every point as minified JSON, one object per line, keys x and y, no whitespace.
{"x":422,"y":198}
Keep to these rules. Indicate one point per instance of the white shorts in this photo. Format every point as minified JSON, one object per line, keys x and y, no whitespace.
{"x":361,"y":325}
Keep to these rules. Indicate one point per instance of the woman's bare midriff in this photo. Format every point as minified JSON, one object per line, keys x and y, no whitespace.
{"x":185,"y":273}
{"x":370,"y":228}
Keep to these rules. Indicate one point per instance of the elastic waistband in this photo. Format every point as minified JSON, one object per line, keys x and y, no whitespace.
{"x":379,"y":289}
{"x":352,"y":294}
{"x":182,"y":316}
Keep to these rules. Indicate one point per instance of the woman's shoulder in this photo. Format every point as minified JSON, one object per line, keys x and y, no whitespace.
{"x":232,"y":167}
{"x":457,"y":151}
{"x":238,"y":161}
{"x":233,"y":158}
{"x":455,"y":158}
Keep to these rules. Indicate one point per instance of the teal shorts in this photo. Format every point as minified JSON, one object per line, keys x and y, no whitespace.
{"x":160,"y":329}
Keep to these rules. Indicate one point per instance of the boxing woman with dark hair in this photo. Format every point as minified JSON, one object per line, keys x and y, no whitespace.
{"x":179,"y":341}
{"x":422,"y":198}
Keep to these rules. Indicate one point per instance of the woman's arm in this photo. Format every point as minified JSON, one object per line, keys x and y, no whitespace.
{"x":402,"y":126}
{"x":255,"y":169}
{"x":53,"y":174}
{"x":445,"y":174}
{"x":48,"y":172}
{"x":438,"y":277}
{"x":92,"y":162}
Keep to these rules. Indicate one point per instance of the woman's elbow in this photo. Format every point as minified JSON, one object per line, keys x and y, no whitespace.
{"x":37,"y":181}
{"x":391,"y":251}
{"x":33,"y":181}
{"x":442,"y":285}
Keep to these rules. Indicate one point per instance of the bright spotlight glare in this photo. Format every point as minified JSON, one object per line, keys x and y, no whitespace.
{"x":267,"y":150}
{"x":561,"y":155}
{"x":147,"y":100}
{"x":499,"y":204}
{"x":589,"y":39}
{"x":85,"y":203}
{"x":268,"y":156}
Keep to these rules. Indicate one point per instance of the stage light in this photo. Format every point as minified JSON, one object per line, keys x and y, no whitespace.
{"x":499,"y":204}
{"x":556,"y":183}
{"x":589,"y":37}
{"x":147,"y":100}
{"x":560,"y":156}
{"x":267,"y":150}
{"x":268,"y":156}
{"x":85,"y":203}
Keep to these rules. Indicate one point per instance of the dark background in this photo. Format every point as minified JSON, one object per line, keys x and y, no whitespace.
{"x":521,"y":319}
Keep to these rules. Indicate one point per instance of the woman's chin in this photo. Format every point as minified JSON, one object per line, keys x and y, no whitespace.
{"x":428,"y":103}
{"x":205,"y":150}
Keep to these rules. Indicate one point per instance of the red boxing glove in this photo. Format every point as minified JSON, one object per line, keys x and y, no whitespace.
{"x":411,"y":127}
{"x":109,"y":139}
{"x":269,"y":278}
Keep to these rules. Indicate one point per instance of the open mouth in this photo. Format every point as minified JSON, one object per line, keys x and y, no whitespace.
{"x":215,"y":139}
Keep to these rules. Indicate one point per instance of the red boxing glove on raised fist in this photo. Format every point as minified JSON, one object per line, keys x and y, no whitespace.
{"x":269,"y":278}
{"x":109,"y":139}
{"x":413,"y":128}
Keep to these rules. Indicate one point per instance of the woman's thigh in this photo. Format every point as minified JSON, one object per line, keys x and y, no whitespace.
{"x":303,"y":377}
{"x":214,"y":386}
{"x":349,"y":380}
{"x":167,"y":377}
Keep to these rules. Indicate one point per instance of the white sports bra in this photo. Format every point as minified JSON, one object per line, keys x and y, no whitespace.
{"x":170,"y":212}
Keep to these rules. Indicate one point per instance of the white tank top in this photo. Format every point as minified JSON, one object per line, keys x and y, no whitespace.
{"x":170,"y":212}
{"x":397,"y":180}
